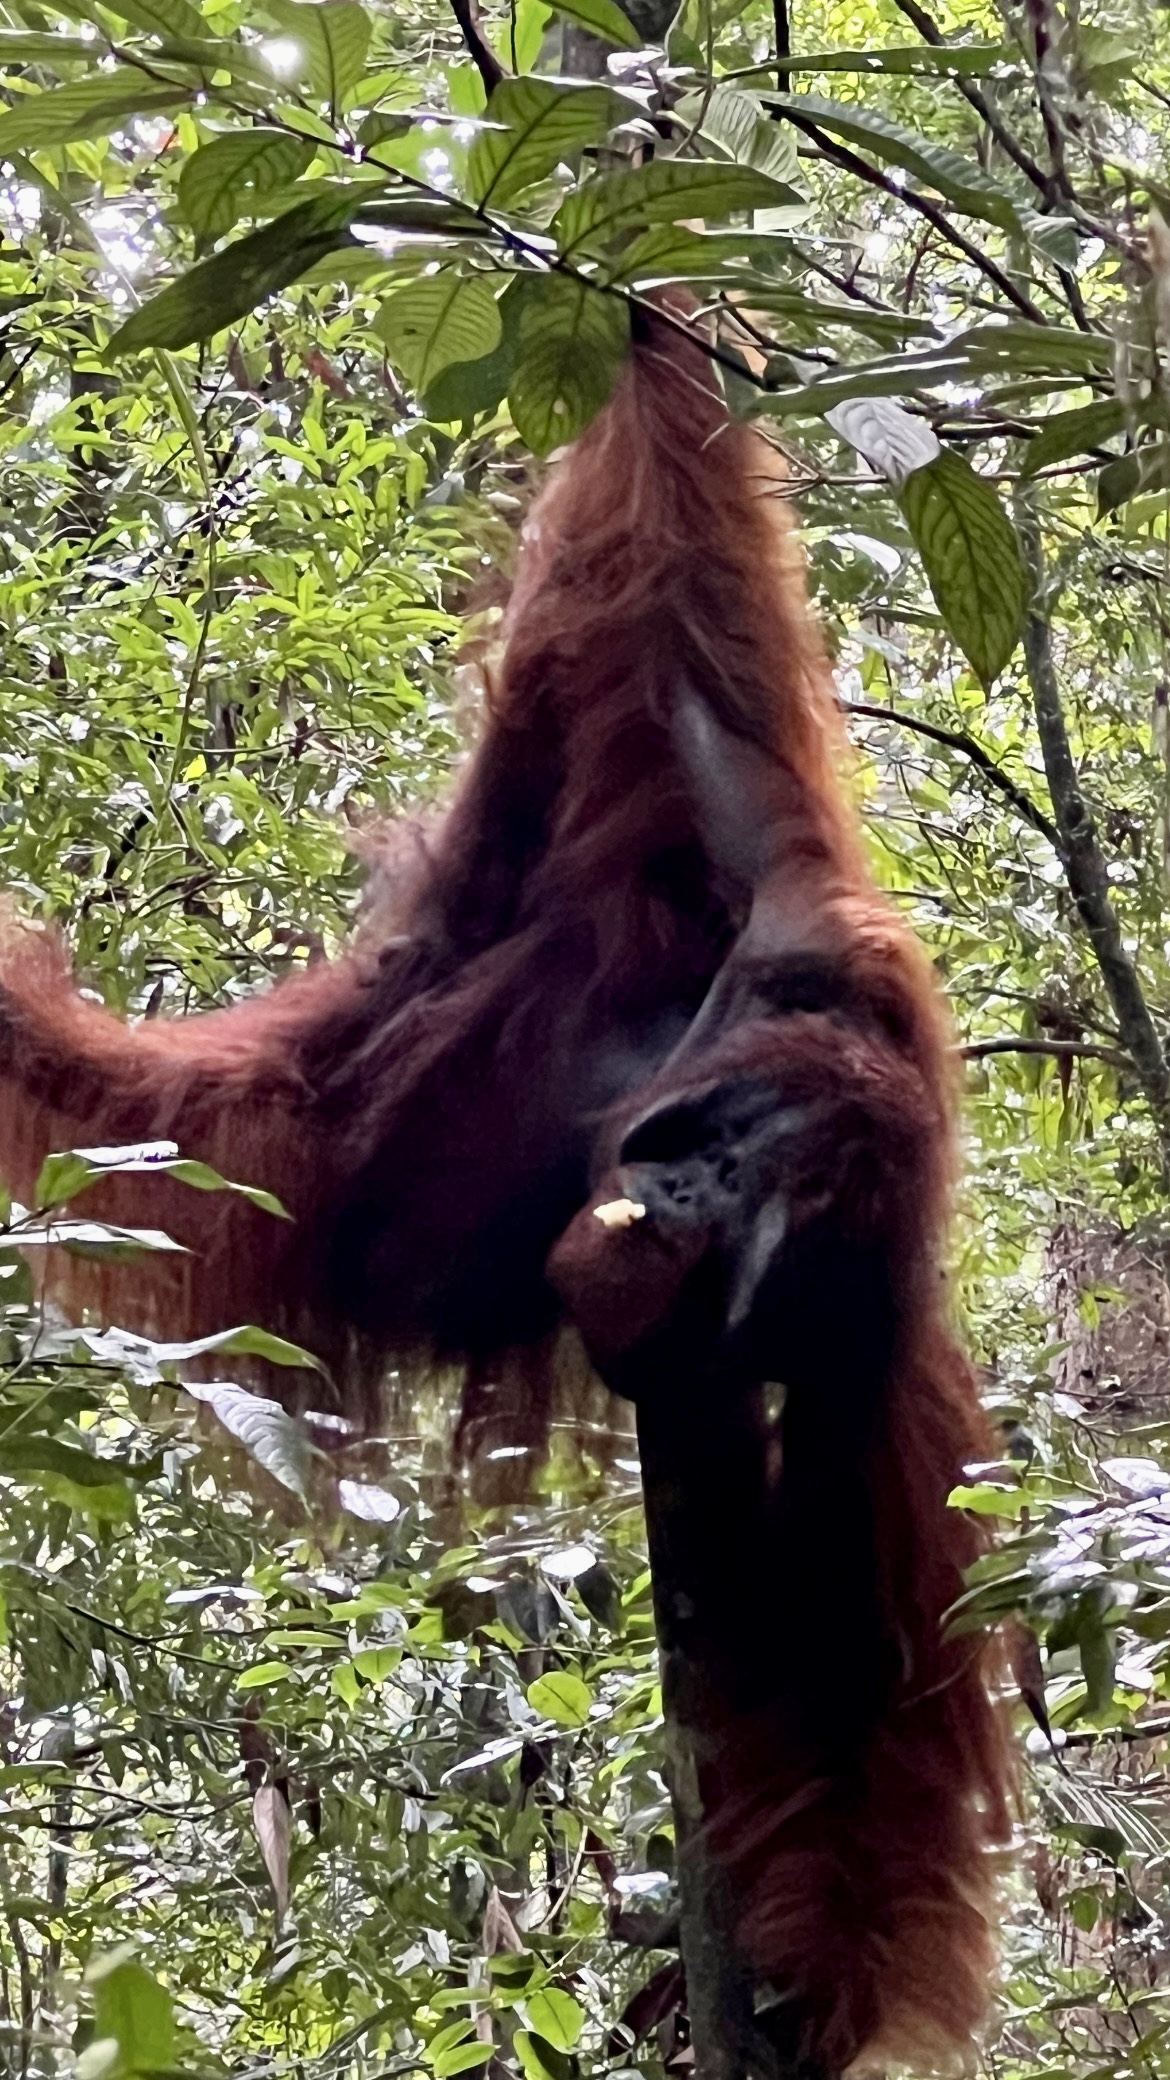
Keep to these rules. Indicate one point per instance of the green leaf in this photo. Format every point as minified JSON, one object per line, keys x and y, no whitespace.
{"x":733,"y":119}
{"x":561,"y":1697}
{"x":32,"y":1455}
{"x":972,"y":559}
{"x":90,"y":107}
{"x":542,"y":124}
{"x":962,"y":60}
{"x":573,"y":341}
{"x":1074,"y":433}
{"x":64,"y":1175}
{"x":1022,"y":347}
{"x":218,"y":180}
{"x":603,"y":18}
{"x":440,"y":319}
{"x":244,"y":1342}
{"x":521,"y":37}
{"x":1097,"y":1645}
{"x":133,"y":2008}
{"x":669,"y":252}
{"x":334,"y":36}
{"x":227,"y":287}
{"x":465,"y":388}
{"x":556,"y":2016}
{"x":382,"y":124}
{"x":1054,"y":238}
{"x":660,"y":193}
{"x":61,"y":1177}
{"x":539,"y":2059}
{"x":1145,"y":469}
{"x":461,"y":2058}
{"x":947,"y":173}
{"x":164,"y":17}
{"x":272,"y":1438}
{"x":97,"y":1239}
{"x":264,"y":1673}
{"x":18,"y":47}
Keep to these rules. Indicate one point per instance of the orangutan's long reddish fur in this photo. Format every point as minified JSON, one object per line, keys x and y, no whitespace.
{"x":428,"y":1111}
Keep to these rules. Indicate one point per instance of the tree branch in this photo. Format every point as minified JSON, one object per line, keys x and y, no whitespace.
{"x":959,"y":740}
{"x":851,"y":162}
{"x":1084,"y":862}
{"x":1061,"y":1050}
{"x":481,"y":53}
{"x":930,"y":33}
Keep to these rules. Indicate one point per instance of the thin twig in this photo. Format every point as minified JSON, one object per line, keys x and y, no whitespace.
{"x":960,"y":740}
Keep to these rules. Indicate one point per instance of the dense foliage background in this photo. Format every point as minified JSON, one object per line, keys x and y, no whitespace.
{"x":318,"y":1775}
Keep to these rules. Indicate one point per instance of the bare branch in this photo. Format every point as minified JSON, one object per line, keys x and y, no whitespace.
{"x":1060,"y":1050}
{"x":480,"y":51}
{"x":1084,"y":862}
{"x":970,"y":748}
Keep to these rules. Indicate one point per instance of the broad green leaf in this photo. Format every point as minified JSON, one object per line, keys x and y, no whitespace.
{"x":963,"y":60}
{"x":465,"y":89}
{"x":264,"y":1673}
{"x":108,"y":1502}
{"x":660,"y":193}
{"x":273,"y":1439}
{"x":32,"y":1455}
{"x":21,"y":47}
{"x":1021,"y":347}
{"x":573,"y":341}
{"x":64,"y":1175}
{"x":948,"y":173}
{"x":164,"y":17}
{"x":735,"y":120}
{"x":97,"y":1239}
{"x":461,"y":2058}
{"x":603,"y":18}
{"x":227,"y":287}
{"x":556,"y":2015}
{"x":561,"y":1697}
{"x":1074,"y":433}
{"x":1054,"y":238}
{"x":521,"y":37}
{"x":61,"y":1177}
{"x":1097,"y":1644}
{"x":218,"y":180}
{"x":90,"y":107}
{"x":465,"y":388}
{"x":898,"y":376}
{"x":244,"y":1342}
{"x":382,"y":124}
{"x":334,"y":35}
{"x":1146,"y":469}
{"x":813,"y":313}
{"x":540,"y":2060}
{"x":542,"y":123}
{"x":132,"y":2007}
{"x":439,"y":319}
{"x":670,"y":252}
{"x":971,"y":557}
{"x":987,"y":350}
